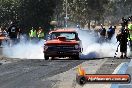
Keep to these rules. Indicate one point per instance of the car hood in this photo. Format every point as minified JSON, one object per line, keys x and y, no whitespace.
{"x":58,"y":42}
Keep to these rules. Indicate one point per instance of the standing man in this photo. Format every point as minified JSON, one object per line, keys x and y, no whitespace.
{"x":102,"y":34}
{"x":32,"y":34}
{"x":13,"y":32}
{"x":40,"y":33}
{"x":122,"y":37}
{"x":110,"y":33}
{"x":19,"y":34}
{"x":130,"y":30}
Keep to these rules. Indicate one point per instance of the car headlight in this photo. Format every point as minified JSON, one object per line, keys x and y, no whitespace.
{"x":76,"y":46}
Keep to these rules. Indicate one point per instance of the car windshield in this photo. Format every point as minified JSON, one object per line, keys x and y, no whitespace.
{"x":68,"y":35}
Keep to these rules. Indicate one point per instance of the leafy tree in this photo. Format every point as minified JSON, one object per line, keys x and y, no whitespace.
{"x":8,"y":11}
{"x":36,"y":13}
{"x":82,"y":11}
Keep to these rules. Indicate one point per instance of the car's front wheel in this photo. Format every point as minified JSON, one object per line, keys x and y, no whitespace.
{"x":46,"y":57}
{"x":76,"y":57}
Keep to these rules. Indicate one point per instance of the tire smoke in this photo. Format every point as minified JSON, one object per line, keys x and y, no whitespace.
{"x":25,"y":49}
{"x":92,"y":48}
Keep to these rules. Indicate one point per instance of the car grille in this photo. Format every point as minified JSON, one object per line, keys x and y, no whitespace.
{"x":60,"y":48}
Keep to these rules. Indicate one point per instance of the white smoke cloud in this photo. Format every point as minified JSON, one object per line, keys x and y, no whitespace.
{"x":25,"y":49}
{"x":92,"y":49}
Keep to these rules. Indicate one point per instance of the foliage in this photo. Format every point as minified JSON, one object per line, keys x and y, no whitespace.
{"x":28,"y":13}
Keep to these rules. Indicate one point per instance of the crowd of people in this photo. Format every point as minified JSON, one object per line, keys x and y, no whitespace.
{"x":104,"y":34}
{"x":14,"y":33}
{"x":124,"y":36}
{"x":36,"y":34}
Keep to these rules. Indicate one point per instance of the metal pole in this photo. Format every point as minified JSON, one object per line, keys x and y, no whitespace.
{"x":66,"y":18}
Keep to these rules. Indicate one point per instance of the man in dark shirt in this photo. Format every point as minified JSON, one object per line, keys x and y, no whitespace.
{"x":13,"y":32}
{"x":122,"y":37}
{"x":102,"y":34}
{"x":110,"y":32}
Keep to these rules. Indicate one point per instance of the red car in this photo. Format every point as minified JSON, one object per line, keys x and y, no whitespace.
{"x":3,"y":37}
{"x":63,"y":43}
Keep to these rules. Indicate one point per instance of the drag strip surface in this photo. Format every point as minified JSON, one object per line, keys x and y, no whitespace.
{"x":110,"y":65}
{"x":28,"y":73}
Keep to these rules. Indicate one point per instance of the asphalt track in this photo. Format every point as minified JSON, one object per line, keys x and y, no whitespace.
{"x":38,"y":73}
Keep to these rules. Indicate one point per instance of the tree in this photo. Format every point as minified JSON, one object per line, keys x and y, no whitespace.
{"x":8,"y":11}
{"x":36,"y":13}
{"x":27,"y":13}
{"x":83,"y":11}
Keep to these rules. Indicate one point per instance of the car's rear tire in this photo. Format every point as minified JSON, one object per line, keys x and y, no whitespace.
{"x":46,"y":57}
